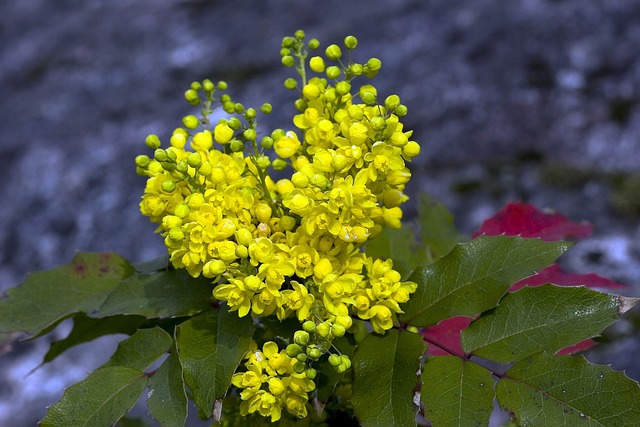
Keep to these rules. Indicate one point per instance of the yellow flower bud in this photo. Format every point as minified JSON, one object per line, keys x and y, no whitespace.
{"x":287,"y":223}
{"x":182,"y":210}
{"x":277,"y":386}
{"x":311,"y":91}
{"x":263,"y":212}
{"x":213,"y":268}
{"x":299,"y":180}
{"x":322,"y":268}
{"x":178,"y":140}
{"x":411,"y":149}
{"x":317,"y":64}
{"x":284,"y":186}
{"x":202,"y":141}
{"x":222,"y":133}
{"x":243,"y":236}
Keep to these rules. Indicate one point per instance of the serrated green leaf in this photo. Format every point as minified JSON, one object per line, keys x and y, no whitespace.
{"x":86,"y":329}
{"x":385,"y":371}
{"x":456,"y":392}
{"x":167,"y":401}
{"x":210,"y":347}
{"x":539,"y":318}
{"x":437,"y":229}
{"x":399,"y":245}
{"x":167,"y":293}
{"x":474,"y":276}
{"x":99,"y":400}
{"x":141,"y":349}
{"x":545,"y":390}
{"x":47,"y":297}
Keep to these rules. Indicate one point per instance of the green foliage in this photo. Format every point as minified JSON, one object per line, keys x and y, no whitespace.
{"x":545,"y":390}
{"x":210,"y":347}
{"x":457,"y":392}
{"x":101,"y":399}
{"x":385,"y":369}
{"x":200,"y":346}
{"x":474,"y":276}
{"x":540,"y":318}
{"x":48,"y":297}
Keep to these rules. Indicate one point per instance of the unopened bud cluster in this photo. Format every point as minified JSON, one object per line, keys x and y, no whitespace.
{"x":291,"y":247}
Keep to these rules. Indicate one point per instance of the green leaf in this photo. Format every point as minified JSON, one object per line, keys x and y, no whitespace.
{"x":540,"y":318}
{"x":86,"y":329}
{"x":99,"y":400}
{"x":544,"y":390}
{"x":385,"y":378}
{"x":456,"y":392}
{"x":168,"y":293}
{"x":211,"y":346}
{"x":474,"y":276}
{"x":399,"y":245}
{"x":141,"y":349}
{"x":437,"y":229}
{"x":47,"y":297}
{"x":153,"y":265}
{"x":167,"y":401}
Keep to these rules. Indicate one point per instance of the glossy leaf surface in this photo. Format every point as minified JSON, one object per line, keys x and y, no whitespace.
{"x":99,"y":400}
{"x":544,"y":390}
{"x":210,"y":347}
{"x":47,"y":297}
{"x":474,"y":276}
{"x":456,"y":392}
{"x":540,"y":318}
{"x":385,"y":384}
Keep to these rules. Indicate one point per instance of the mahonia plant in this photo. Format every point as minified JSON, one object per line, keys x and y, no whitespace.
{"x":291,"y":294}
{"x":292,"y":246}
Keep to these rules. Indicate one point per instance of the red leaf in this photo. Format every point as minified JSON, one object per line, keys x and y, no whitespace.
{"x":444,"y":338}
{"x":527,"y":221}
{"x":581,"y":346}
{"x":556,"y":275}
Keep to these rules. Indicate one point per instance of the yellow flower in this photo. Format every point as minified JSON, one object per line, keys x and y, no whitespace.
{"x":261,"y":250}
{"x":296,"y":405}
{"x":237,"y":296}
{"x":288,"y":145}
{"x":299,"y":300}
{"x":381,"y":318}
{"x":304,"y":257}
{"x":265,"y":404}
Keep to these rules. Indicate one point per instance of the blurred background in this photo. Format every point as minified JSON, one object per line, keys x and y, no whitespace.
{"x":527,"y":100}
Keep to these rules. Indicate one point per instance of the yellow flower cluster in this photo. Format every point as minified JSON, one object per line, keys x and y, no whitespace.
{"x":291,"y":247}
{"x":271,"y":383}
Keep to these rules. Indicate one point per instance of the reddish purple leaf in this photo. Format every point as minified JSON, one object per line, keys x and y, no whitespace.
{"x":556,"y":275}
{"x":527,"y":221}
{"x":581,"y":346}
{"x":444,"y":338}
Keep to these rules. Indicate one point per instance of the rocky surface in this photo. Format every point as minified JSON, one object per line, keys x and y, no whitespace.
{"x":535,"y":100}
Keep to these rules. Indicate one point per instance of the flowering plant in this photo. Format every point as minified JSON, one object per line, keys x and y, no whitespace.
{"x":292,"y":294}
